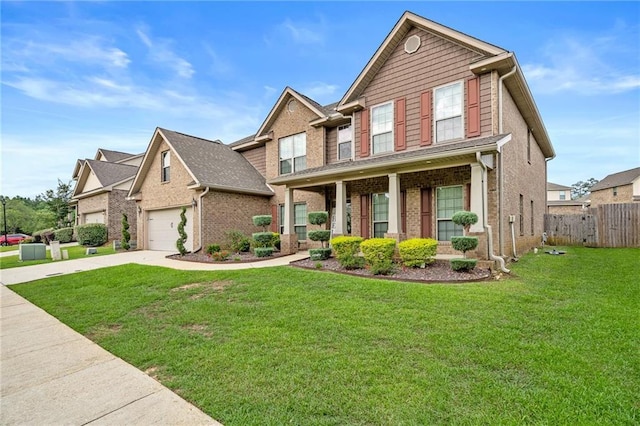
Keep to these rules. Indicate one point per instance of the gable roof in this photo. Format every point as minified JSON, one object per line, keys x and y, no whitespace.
{"x":280,"y":104}
{"x":210,"y":163}
{"x":407,"y":21}
{"x":617,"y":179}
{"x":108,"y":174}
{"x":556,"y":187}
{"x":496,"y":58}
{"x":113,"y":156}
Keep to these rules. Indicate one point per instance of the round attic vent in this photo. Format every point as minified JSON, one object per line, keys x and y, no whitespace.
{"x":291,"y":106}
{"x":412,"y":44}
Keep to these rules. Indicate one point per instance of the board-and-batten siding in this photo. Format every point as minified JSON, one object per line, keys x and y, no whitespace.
{"x":436,"y":63}
{"x":258,"y":159}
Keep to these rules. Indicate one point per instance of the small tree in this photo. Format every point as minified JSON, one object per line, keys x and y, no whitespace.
{"x":183,"y":235}
{"x":464,"y":243}
{"x":263,"y":241}
{"x":126,"y":237}
{"x":322,"y":235}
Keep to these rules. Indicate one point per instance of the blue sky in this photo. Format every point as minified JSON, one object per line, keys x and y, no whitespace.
{"x":77,"y":76}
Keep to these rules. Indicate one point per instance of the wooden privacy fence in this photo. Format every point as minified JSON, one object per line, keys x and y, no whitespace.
{"x":607,"y":225}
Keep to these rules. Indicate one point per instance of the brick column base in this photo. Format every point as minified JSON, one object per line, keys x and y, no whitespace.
{"x":288,"y":243}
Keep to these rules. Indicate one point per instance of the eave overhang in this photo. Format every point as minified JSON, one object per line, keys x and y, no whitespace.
{"x":201,"y":186}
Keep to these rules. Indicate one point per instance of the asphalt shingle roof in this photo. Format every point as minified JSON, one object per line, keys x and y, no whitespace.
{"x":556,"y":187}
{"x":110,"y":173}
{"x":215,"y":164}
{"x":115,"y":156}
{"x":617,"y":179}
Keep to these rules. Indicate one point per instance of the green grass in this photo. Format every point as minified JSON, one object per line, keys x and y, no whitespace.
{"x":75,"y":252}
{"x":557,"y":344}
{"x":8,"y":248}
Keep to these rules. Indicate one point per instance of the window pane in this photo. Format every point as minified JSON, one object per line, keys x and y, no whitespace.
{"x":448,"y":229}
{"x":379,"y":229}
{"x":449,"y":129}
{"x":382,"y":119}
{"x":281,"y":218}
{"x":380,"y":207}
{"x":285,"y":167}
{"x":300,"y":213}
{"x":449,"y":201}
{"x":344,"y":150}
{"x":344,"y":134}
{"x":448,"y":101}
{"x":382,"y":143}
{"x":300,"y":144}
{"x":301,"y":232}
{"x":286,"y":148}
{"x":300,"y":163}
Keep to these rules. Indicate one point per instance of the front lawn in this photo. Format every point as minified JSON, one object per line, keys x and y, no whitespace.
{"x":75,"y":252}
{"x":556,"y":344}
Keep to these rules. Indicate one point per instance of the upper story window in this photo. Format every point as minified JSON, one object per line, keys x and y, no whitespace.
{"x":563,"y":195}
{"x":293,"y":153}
{"x":165,"y":159}
{"x":382,"y":128}
{"x":448,"y":112}
{"x":345,"y":136}
{"x":615,"y":191}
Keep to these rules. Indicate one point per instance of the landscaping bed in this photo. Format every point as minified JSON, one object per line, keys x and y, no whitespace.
{"x":438,"y":271}
{"x":243,"y":257}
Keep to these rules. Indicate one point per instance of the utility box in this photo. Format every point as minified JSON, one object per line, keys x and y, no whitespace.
{"x":36,"y":251}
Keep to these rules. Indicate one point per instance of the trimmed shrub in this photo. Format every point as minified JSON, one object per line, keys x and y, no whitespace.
{"x":183,"y":235}
{"x":44,"y":235}
{"x":318,"y":218}
{"x":464,"y":218}
{"x":418,"y":252}
{"x":237,"y":241}
{"x":262,"y":220}
{"x":275,"y":240}
{"x":319,"y":235}
{"x":378,"y":254}
{"x":464,"y":244}
{"x":213,"y":248}
{"x":64,"y":235}
{"x":463,"y":264}
{"x":263,"y":251}
{"x":346,"y":250}
{"x":92,"y":234}
{"x":220,"y":255}
{"x":320,"y":253}
{"x":262,"y":239}
{"x":126,"y":236}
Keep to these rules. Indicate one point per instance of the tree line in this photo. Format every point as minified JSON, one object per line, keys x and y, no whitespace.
{"x":47,"y":210}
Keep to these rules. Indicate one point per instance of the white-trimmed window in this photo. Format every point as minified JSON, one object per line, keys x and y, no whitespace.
{"x":345,"y":137}
{"x":448,"y":201}
{"x":299,"y":220}
{"x":293,"y":153}
{"x":448,"y":102}
{"x":382,"y":128}
{"x":380,"y":204}
{"x":165,"y":159}
{"x":563,"y":195}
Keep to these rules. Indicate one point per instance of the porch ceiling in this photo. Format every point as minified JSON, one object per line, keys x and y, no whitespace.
{"x":434,"y":157}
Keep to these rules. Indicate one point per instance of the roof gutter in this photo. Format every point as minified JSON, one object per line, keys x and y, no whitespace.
{"x":223,"y":188}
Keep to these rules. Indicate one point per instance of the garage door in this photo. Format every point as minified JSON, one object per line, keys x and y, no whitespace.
{"x":97,"y":217}
{"x":162,"y":228}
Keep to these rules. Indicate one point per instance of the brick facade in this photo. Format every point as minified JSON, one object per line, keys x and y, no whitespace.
{"x":112,"y":203}
{"x":623,"y":194}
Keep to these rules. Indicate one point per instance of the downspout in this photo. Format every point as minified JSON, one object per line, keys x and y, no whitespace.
{"x":485,"y":224}
{"x":205,"y":192}
{"x":501,"y":163}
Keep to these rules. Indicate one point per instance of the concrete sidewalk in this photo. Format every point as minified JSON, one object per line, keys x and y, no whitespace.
{"x":52,"y":375}
{"x":144,"y":257}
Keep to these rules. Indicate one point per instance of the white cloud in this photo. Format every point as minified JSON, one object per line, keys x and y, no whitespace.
{"x":586,"y":64}
{"x":320,"y":91}
{"x":160,"y":51}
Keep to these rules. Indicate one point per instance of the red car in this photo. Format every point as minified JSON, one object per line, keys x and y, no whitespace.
{"x":13,"y":239}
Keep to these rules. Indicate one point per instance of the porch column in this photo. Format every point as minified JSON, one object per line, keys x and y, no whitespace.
{"x":341,"y":209}
{"x":288,"y":239}
{"x":395,"y":227}
{"x":478,"y":196}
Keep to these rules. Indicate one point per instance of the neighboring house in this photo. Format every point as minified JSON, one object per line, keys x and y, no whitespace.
{"x":102,"y":185}
{"x":559,"y":200}
{"x":436,"y":122}
{"x":622,"y":187}
{"x":218,"y":188}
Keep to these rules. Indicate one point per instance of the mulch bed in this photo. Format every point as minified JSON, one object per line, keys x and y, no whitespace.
{"x":438,"y":272}
{"x":233,"y":258}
